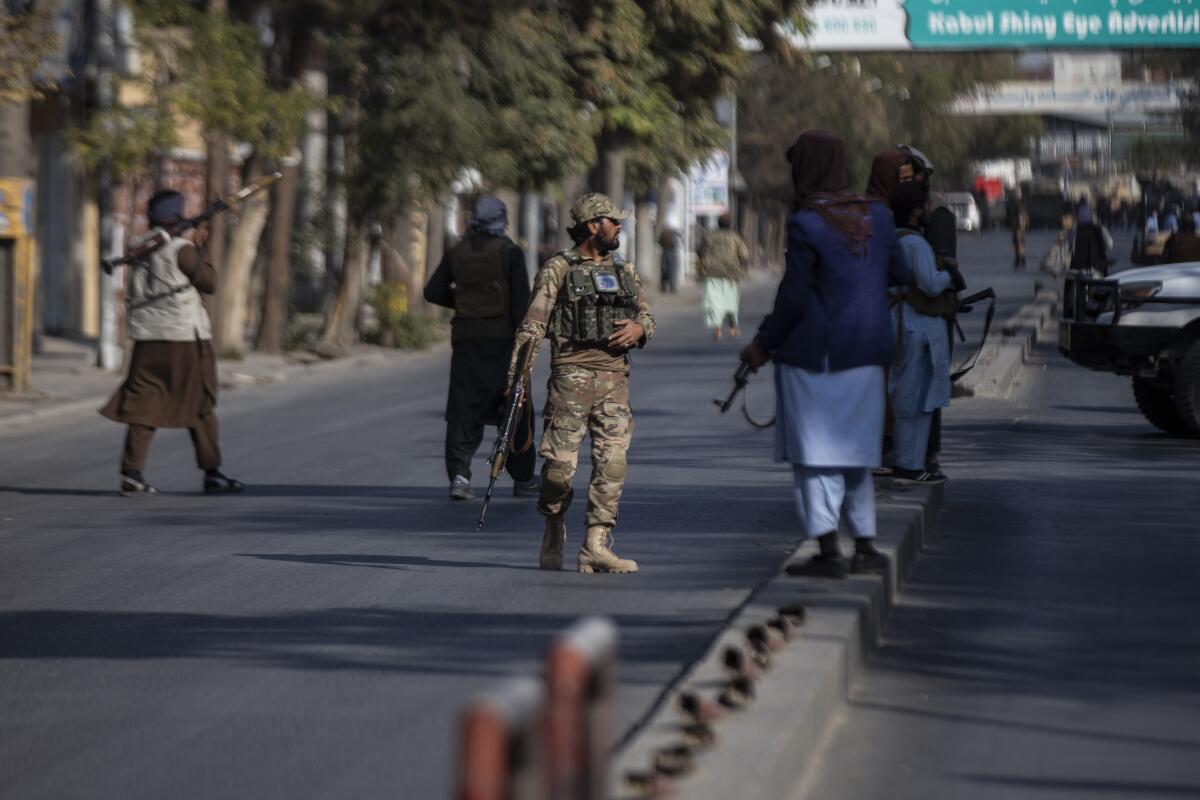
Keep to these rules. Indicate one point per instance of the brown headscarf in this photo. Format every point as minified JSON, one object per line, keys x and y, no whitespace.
{"x":818,"y":161}
{"x":885,"y":175}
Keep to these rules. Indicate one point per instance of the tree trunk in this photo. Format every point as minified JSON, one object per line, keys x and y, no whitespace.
{"x":340,"y":323}
{"x":218,"y":165}
{"x":16,"y":144}
{"x":531,"y":231}
{"x":609,"y":174}
{"x":572,"y":187}
{"x":395,"y":268}
{"x":413,"y":246}
{"x":278,"y":285}
{"x":750,"y":230}
{"x":434,"y":250}
{"x":235,"y":283}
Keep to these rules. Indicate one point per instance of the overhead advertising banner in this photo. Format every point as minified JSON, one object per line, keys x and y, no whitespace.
{"x":1043,"y":97}
{"x":1001,"y":24}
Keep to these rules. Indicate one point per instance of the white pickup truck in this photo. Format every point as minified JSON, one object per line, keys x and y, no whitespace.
{"x":1144,"y":323}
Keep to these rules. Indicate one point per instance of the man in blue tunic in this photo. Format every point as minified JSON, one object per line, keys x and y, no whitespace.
{"x":919,"y":380}
{"x":830,"y":336}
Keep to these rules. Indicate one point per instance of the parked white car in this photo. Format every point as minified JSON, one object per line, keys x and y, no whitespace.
{"x":1144,"y":323}
{"x":964,"y":208}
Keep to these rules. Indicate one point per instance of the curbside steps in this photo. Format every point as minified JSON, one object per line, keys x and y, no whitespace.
{"x":759,"y":752}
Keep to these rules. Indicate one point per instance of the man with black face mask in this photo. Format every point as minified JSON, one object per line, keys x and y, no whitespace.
{"x":940,"y":231}
{"x":589,"y":303}
{"x":919,"y":380}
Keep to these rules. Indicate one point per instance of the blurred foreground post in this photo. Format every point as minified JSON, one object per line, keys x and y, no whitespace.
{"x":580,"y":721}
{"x":500,"y":751}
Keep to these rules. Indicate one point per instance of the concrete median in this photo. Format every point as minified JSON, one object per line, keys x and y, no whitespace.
{"x":761,"y":736}
{"x":1002,"y":358}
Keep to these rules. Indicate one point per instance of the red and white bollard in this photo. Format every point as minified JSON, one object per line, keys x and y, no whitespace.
{"x":500,"y":755}
{"x":581,"y":712}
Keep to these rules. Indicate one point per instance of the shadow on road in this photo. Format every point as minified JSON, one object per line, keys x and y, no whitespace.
{"x":380,"y":562}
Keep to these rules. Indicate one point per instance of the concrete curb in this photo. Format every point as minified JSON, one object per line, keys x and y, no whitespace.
{"x":1002,"y":358}
{"x":761,"y":751}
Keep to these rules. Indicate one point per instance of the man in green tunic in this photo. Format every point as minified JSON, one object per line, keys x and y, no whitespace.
{"x":722,"y":265}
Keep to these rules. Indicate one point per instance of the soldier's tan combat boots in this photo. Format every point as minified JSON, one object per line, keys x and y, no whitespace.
{"x":595,"y":555}
{"x":554,"y":540}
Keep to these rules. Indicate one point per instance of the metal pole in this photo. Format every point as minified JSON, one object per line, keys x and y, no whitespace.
{"x":108,"y":354}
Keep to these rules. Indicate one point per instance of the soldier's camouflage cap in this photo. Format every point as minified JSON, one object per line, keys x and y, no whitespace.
{"x":595,"y":205}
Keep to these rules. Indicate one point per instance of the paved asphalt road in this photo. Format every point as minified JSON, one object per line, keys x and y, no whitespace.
{"x":1046,"y":645}
{"x":318,"y":635}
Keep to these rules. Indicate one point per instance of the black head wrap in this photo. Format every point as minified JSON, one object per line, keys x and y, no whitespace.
{"x":818,"y":161}
{"x":165,"y":207}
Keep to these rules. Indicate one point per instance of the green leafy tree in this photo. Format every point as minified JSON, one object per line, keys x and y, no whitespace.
{"x":535,"y":130}
{"x":26,"y":40}
{"x":701,"y":47}
{"x":872,"y":102}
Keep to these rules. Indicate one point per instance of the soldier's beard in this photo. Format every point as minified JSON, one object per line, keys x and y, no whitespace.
{"x":606,"y":246}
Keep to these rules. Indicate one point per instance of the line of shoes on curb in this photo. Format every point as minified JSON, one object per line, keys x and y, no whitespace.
{"x":744,"y":664}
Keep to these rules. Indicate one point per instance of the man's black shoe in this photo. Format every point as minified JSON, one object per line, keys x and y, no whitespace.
{"x":529,"y":488}
{"x":217,"y":483}
{"x":819,"y":566}
{"x":870,"y":563}
{"x":900,"y":475}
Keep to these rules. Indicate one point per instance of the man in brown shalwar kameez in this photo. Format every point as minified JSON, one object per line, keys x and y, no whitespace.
{"x":172,"y":380}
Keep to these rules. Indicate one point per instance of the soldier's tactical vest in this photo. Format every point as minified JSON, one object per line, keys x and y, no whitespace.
{"x":944,"y":305}
{"x":591,"y":300}
{"x":481,"y":294}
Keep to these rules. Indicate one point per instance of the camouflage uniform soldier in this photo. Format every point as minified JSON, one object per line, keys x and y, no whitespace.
{"x":590,"y":304}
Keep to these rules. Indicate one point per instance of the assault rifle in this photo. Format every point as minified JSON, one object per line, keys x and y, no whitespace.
{"x":157,"y":239}
{"x":508,"y":428}
{"x":741,"y":379}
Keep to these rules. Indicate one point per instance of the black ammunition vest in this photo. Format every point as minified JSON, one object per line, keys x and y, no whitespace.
{"x":590,"y":301}
{"x":481,"y":293}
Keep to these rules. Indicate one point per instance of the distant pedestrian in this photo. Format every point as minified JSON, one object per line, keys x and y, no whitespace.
{"x":668,"y":240}
{"x":1018,"y":221}
{"x":1183,"y":246}
{"x":830,"y":337}
{"x":1090,"y":244}
{"x":172,"y":381}
{"x":1172,"y":221}
{"x":483,"y":279}
{"x":721,"y":265}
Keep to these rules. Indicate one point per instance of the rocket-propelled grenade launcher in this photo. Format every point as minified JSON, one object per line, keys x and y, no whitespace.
{"x":156,"y":239}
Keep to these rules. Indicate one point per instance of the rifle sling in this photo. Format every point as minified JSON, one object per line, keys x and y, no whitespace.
{"x":154,"y":298}
{"x":758,"y":426}
{"x":989,"y":295}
